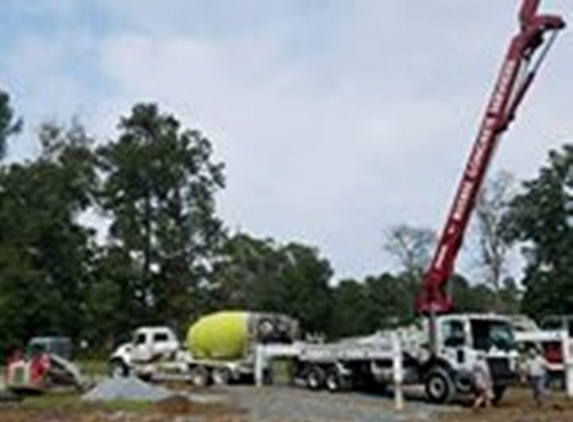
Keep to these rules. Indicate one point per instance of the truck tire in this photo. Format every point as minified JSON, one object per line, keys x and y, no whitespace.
{"x":439,"y":385}
{"x":314,"y":378}
{"x":199,"y":376}
{"x":118,"y":369}
{"x":221,"y":375}
{"x":498,"y":392}
{"x":333,"y":381}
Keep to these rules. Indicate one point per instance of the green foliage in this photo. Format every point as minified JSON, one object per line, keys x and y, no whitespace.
{"x":159,"y":185}
{"x":262,"y":276}
{"x":9,"y":125}
{"x":44,"y":252}
{"x":350,"y":316}
{"x":377,"y":303}
{"x":541,"y":218}
{"x":167,"y":258}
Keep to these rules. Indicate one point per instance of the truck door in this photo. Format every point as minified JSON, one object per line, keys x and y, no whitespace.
{"x":142,"y":347}
{"x":454,"y":343}
{"x":163,"y":343}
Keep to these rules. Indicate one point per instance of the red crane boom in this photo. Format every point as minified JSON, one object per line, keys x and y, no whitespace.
{"x":526,"y":52}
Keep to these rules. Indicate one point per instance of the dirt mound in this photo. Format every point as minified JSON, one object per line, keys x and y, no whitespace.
{"x":180,"y":405}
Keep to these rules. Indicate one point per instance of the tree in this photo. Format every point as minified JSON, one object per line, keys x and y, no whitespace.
{"x":159,"y":186}
{"x":493,"y":248}
{"x":9,"y":124}
{"x":261,"y":275}
{"x":471,"y":298}
{"x":300,"y":287}
{"x":351,"y":316}
{"x":410,"y":247}
{"x":541,"y":219}
{"x":45,"y":253}
{"x":390,"y":300}
{"x":243,"y":265}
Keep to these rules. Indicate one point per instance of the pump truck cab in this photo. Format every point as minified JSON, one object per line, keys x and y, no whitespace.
{"x":461,"y":339}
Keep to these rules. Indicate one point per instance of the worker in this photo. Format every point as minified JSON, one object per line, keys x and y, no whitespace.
{"x":536,"y":369}
{"x":482,"y":382}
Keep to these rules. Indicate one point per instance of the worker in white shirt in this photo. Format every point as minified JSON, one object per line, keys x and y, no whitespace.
{"x":482,"y":383}
{"x":536,"y":368}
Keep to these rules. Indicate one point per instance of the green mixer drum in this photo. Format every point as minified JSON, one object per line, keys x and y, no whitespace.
{"x":222,"y":335}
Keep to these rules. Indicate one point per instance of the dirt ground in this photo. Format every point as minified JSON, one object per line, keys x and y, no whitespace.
{"x":517,"y":406}
{"x":247,"y":404}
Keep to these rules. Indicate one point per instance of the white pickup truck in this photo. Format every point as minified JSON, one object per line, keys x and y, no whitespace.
{"x":147,"y":345}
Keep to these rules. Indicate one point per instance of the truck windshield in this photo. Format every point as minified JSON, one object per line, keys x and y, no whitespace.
{"x":488,"y":334}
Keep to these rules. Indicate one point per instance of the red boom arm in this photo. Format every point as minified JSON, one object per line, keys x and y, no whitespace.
{"x":517,"y":73}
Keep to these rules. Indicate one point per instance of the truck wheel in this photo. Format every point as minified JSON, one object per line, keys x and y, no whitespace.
{"x":118,"y":369}
{"x":333,"y":381}
{"x":314,"y":378}
{"x":221,"y":376}
{"x":439,"y":386}
{"x":199,"y":376}
{"x":498,"y":391}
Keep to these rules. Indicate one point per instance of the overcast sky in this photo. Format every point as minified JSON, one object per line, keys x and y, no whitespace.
{"x":335,"y":118}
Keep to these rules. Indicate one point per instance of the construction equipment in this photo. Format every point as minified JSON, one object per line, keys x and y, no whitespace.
{"x":442,"y":352}
{"x":44,"y":365}
{"x":527,"y":50}
{"x":525,"y":55}
{"x":219,"y":348}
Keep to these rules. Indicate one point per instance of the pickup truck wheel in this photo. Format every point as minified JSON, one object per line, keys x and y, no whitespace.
{"x":314,"y":378}
{"x":118,"y":369}
{"x":439,"y":386}
{"x":333,"y":381}
{"x":221,"y":376}
{"x":199,"y":376}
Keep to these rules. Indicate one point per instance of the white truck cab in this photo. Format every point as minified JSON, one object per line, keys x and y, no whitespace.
{"x":460,"y":340}
{"x":147,"y":345}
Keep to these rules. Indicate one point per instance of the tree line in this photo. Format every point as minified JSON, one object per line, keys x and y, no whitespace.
{"x":161,"y":254}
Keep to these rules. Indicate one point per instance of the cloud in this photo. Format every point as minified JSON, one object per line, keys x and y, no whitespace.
{"x":335,"y":118}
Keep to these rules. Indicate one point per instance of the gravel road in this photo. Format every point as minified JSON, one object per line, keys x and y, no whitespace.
{"x":293,"y":404}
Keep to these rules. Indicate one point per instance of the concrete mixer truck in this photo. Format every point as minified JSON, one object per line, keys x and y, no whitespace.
{"x":219,"y":348}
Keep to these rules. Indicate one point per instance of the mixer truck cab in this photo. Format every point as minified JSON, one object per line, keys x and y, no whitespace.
{"x":148,"y":344}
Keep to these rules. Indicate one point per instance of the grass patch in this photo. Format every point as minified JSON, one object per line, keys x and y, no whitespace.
{"x":72,"y":402}
{"x":92,"y":368}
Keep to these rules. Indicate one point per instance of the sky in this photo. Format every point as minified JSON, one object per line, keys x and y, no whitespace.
{"x":336,"y":119}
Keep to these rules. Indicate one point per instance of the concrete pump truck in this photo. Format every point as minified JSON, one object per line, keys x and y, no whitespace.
{"x":441,"y":352}
{"x":451,"y":355}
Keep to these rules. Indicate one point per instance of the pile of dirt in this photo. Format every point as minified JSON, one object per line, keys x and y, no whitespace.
{"x":180,"y":405}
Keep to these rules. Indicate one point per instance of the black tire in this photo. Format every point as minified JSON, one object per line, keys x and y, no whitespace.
{"x":498,"y":392}
{"x":118,"y":369}
{"x":268,"y":377}
{"x":314,"y":378}
{"x":199,"y":375}
{"x":221,"y":375}
{"x":333,"y":381}
{"x":439,"y":386}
